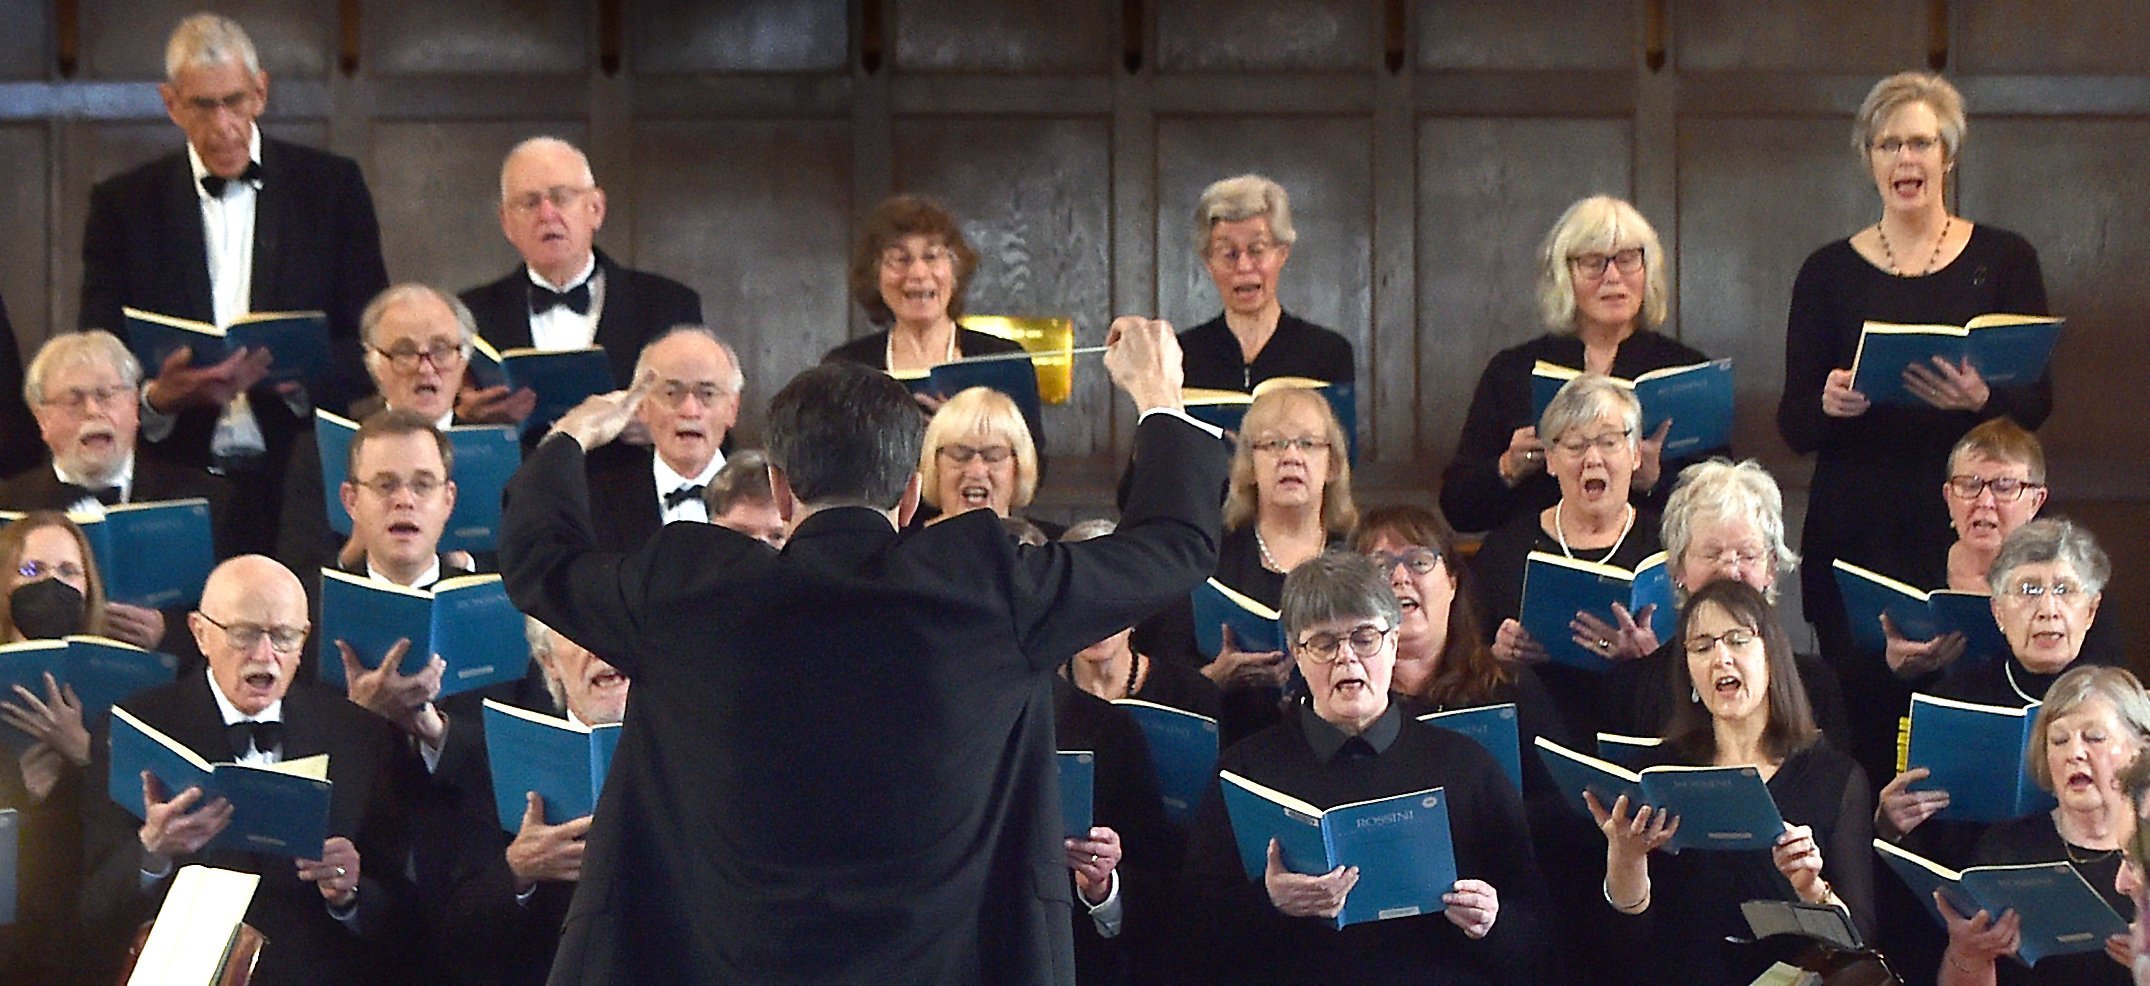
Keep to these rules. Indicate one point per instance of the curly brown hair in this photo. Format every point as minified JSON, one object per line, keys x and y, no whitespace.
{"x":896,"y":217}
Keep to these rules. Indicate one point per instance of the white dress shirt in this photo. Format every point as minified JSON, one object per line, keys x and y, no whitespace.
{"x":694,"y":508}
{"x":228,"y":235}
{"x":90,"y":504}
{"x":558,"y":327}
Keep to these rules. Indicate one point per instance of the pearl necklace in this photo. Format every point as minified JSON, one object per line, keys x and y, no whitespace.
{"x":1269,"y":561}
{"x":1626,"y":525}
{"x":1890,"y":256}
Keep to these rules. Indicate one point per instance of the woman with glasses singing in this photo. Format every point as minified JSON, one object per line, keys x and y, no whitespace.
{"x":2094,"y":723}
{"x":1347,"y":742}
{"x":1675,"y":911}
{"x":978,"y":455}
{"x":1592,"y":451}
{"x":1243,"y":231}
{"x":1289,"y":499}
{"x":1921,"y":265}
{"x":1602,"y":292}
{"x":51,"y":589}
{"x":909,"y":268}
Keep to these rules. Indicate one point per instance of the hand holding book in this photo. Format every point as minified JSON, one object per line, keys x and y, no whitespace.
{"x":1900,"y":809}
{"x":403,"y":699}
{"x":172,"y":828}
{"x":1306,"y":895}
{"x":546,"y":852}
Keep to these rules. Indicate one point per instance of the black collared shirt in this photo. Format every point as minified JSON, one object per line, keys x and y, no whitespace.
{"x":1329,"y":742}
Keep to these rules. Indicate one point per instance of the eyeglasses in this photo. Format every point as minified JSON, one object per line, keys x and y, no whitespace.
{"x":389,"y":487}
{"x":243,"y":636}
{"x":65,"y":571}
{"x":896,"y":259}
{"x":78,"y":399}
{"x":1366,"y":640}
{"x":406,"y":358}
{"x":561,"y":196}
{"x":209,"y":105}
{"x":674,"y":393}
{"x":1606,"y":444}
{"x":1419,"y":560}
{"x":1594,"y":264}
{"x":1229,"y":255}
{"x":1918,"y":146}
{"x":1703,"y":643}
{"x":1744,"y":557}
{"x":2026,"y":592}
{"x":2006,"y":489}
{"x":1304,"y":443}
{"x":962,"y":454}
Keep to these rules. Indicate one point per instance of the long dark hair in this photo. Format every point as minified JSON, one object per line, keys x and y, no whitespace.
{"x":1689,"y":734}
{"x":1466,"y":672}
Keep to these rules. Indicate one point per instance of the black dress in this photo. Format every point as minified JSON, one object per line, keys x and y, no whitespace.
{"x":1125,"y":800}
{"x":1230,"y":928}
{"x":1499,"y":565}
{"x":2034,"y":839}
{"x":1473,"y":496}
{"x":1298,"y":348}
{"x":1875,"y":498}
{"x":1695,"y":895}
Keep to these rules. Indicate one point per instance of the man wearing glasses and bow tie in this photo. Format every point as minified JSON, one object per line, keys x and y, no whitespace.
{"x":339,"y":917}
{"x":230,"y":224}
{"x":636,"y":489}
{"x":566,"y":294}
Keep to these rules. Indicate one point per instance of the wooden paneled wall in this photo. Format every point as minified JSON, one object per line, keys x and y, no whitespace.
{"x":1427,"y":144}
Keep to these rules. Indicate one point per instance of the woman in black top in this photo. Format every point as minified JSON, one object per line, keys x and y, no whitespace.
{"x":1243,"y":230}
{"x":2094,"y":722}
{"x":1874,"y":466}
{"x":1590,"y":431}
{"x":1676,"y":910}
{"x":1602,"y":292}
{"x":1112,"y":669}
{"x":1347,"y":742}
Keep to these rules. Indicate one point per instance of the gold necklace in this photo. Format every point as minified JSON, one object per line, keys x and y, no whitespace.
{"x":1890,"y":256}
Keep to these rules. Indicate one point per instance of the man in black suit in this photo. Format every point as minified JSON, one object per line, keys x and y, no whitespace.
{"x":334,"y":919}
{"x":81,"y":389}
{"x":18,"y":451}
{"x":839,"y":764}
{"x":566,"y":294}
{"x":233,"y":223}
{"x":691,"y":407}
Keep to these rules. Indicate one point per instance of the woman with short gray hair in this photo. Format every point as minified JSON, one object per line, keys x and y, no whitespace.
{"x":1243,"y":231}
{"x":1602,"y":292}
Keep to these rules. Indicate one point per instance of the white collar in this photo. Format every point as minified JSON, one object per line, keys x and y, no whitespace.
{"x":231,"y":713}
{"x":668,"y":480}
{"x":124,"y":479}
{"x":589,"y":268}
{"x":444,"y":422}
{"x":425,"y":578}
{"x":194,"y":159}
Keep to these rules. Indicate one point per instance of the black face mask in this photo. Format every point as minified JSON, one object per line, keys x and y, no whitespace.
{"x":46,"y":609}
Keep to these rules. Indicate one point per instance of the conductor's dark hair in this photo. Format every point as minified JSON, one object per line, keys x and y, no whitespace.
{"x":845,"y":435}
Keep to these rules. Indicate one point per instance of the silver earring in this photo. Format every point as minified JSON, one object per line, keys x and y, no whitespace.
{"x":1694,"y":695}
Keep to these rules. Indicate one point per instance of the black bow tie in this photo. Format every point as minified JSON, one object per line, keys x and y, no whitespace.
{"x":681,"y":495}
{"x":543,"y":299}
{"x":248,"y":736}
{"x":215,"y":184}
{"x":107,"y":495}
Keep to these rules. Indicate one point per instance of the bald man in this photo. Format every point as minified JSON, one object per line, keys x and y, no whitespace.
{"x":692,"y":405}
{"x":566,"y":294}
{"x":337,"y":918}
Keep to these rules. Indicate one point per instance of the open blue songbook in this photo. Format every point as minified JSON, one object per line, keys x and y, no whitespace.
{"x":1255,"y":626}
{"x":561,"y":378}
{"x":485,"y":456}
{"x":467,"y":620}
{"x":1718,"y":807}
{"x":1227,"y":409}
{"x":1976,"y":754}
{"x":297,"y":342}
{"x":280,"y":809}
{"x":153,"y":554}
{"x":2061,"y":913}
{"x":1556,"y":587}
{"x":1492,"y":727}
{"x":1183,"y":748}
{"x":1696,"y":398}
{"x":564,"y":761}
{"x":1918,"y":614}
{"x":100,"y":670}
{"x":1012,"y":374}
{"x":1401,"y":845}
{"x":2008,"y":351}
{"x":1632,"y":752}
{"x":1078,"y":792}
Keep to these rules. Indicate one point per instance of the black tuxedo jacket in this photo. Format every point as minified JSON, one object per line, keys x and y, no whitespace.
{"x":639,"y":306}
{"x":316,"y":245}
{"x":373,"y":771}
{"x":19,"y":445}
{"x":838,"y":762}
